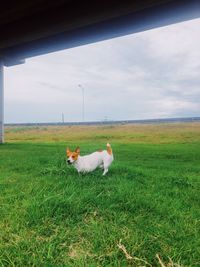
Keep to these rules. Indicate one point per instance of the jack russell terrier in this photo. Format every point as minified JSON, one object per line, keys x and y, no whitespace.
{"x":88,"y":163}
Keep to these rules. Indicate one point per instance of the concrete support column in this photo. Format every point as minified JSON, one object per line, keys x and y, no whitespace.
{"x":1,"y":103}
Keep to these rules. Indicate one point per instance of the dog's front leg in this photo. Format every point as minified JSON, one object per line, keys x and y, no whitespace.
{"x":79,"y":172}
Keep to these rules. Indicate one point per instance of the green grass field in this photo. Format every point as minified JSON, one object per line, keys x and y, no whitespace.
{"x":149,"y":201}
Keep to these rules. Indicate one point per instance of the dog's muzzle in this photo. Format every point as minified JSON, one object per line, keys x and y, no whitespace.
{"x":69,"y":162}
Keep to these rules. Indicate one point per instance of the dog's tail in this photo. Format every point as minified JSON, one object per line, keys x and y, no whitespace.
{"x":109,"y":149}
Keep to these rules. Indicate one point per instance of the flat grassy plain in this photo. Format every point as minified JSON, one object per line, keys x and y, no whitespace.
{"x":149,"y":202}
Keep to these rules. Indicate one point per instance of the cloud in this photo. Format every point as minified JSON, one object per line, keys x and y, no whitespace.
{"x":150,"y":74}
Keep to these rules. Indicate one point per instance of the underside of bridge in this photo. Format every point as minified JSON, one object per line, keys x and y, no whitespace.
{"x":32,"y":28}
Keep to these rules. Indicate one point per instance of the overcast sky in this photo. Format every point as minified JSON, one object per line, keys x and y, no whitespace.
{"x":153,"y":74}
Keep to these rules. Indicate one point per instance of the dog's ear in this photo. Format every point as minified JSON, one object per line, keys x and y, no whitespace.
{"x":68,"y":152}
{"x":77,"y":150}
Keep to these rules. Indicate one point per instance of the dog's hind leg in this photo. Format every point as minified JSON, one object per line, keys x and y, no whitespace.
{"x":101,"y":166}
{"x":105,"y":171}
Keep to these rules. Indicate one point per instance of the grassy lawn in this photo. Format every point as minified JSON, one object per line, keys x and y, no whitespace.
{"x":149,"y":201}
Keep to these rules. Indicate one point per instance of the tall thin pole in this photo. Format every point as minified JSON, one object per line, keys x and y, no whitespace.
{"x":63,"y":118}
{"x":1,"y":103}
{"x":83,"y":93}
{"x":83,"y":102}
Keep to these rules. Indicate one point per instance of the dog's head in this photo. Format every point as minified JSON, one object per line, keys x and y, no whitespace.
{"x":72,"y":156}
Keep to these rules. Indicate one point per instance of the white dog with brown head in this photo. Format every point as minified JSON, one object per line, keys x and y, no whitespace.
{"x":88,"y":163}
